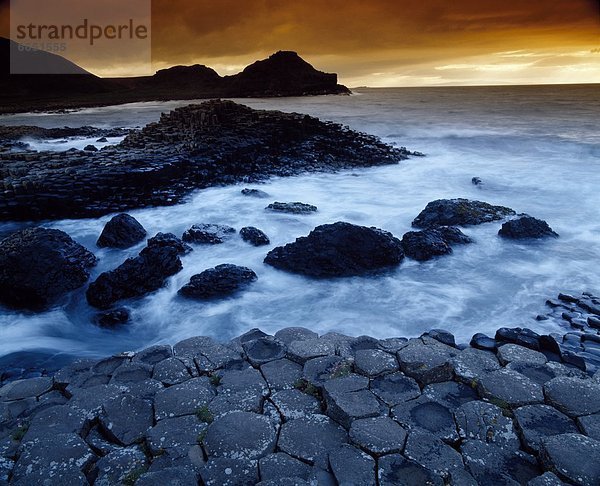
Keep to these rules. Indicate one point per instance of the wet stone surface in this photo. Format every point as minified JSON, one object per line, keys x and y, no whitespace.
{"x":298,"y":408}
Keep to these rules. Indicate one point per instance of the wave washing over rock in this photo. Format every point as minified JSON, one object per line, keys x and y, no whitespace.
{"x":299,"y":408}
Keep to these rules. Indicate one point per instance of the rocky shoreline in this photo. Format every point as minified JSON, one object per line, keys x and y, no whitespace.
{"x":197,"y":146}
{"x":298,"y":408}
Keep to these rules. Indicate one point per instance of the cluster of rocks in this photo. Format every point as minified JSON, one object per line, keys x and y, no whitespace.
{"x":298,"y":408}
{"x":197,"y":146}
{"x":39,"y":266}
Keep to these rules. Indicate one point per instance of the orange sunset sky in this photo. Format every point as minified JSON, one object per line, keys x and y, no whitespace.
{"x":381,"y":42}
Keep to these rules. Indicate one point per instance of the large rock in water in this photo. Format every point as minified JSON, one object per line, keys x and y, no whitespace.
{"x":459,"y":212}
{"x":208,"y":234}
{"x":135,"y":277}
{"x":526,"y":227}
{"x":338,"y":250}
{"x":122,"y":231}
{"x":220,"y":281}
{"x":429,"y":243}
{"x":39,"y":265}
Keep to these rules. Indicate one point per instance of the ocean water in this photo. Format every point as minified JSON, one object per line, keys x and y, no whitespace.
{"x":537,"y":150}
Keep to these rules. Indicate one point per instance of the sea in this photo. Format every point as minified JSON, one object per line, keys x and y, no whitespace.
{"x":536,"y":149}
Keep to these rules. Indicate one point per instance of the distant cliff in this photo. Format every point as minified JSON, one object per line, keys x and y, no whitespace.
{"x":284,"y":73}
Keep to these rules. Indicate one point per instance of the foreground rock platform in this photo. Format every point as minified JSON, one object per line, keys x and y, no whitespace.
{"x":298,"y":408}
{"x":196,"y":146}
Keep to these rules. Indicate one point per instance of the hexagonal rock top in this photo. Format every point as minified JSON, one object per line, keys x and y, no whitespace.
{"x":240,"y":435}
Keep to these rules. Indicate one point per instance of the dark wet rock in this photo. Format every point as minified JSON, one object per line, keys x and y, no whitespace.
{"x":490,"y":464}
{"x":113,"y":318}
{"x":131,"y":372}
{"x":170,"y":240}
{"x":590,"y":425}
{"x":120,"y":465}
{"x":173,"y":476}
{"x":207,"y":354}
{"x":348,"y":403}
{"x":429,"y":243}
{"x":513,"y":353}
{"x":310,"y":438}
{"x":281,"y":374}
{"x":254,"y":193}
{"x":221,"y":281}
{"x":279,"y":465}
{"x":427,"y":363}
{"x":573,"y":396}
{"x":459,"y":212}
{"x":428,"y":415}
{"x":291,"y":208}
{"x":526,"y":227}
{"x":175,"y":435}
{"x":338,"y":250}
{"x":450,"y":393}
{"x":521,"y":336}
{"x":90,"y":148}
{"x":507,"y":388}
{"x":476,"y":181}
{"x":32,"y":387}
{"x":352,"y":466}
{"x":302,"y":351}
{"x":378,"y":435}
{"x":183,"y":399}
{"x":154,"y":354}
{"x":222,"y":471}
{"x":122,"y":231}
{"x":262,"y":350}
{"x":208,"y":234}
{"x":478,"y":420}
{"x":443,"y":336}
{"x":254,"y":236}
{"x":483,"y":342}
{"x":38,"y":266}
{"x":572,"y":457}
{"x":546,"y":479}
{"x":171,"y":371}
{"x":395,"y":388}
{"x":471,"y":363}
{"x":289,"y":334}
{"x":240,"y":435}
{"x":135,"y":277}
{"x":57,"y":458}
{"x":293,"y":404}
{"x":374,"y":362}
{"x":396,"y":470}
{"x":430,"y":452}
{"x":538,"y":421}
{"x":102,"y":140}
{"x":125,"y":419}
{"x":196,"y":146}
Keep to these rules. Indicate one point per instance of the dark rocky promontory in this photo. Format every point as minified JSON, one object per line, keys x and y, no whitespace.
{"x":197,"y":146}
{"x":284,"y":73}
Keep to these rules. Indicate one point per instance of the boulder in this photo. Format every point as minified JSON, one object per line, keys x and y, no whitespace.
{"x":254,"y":236}
{"x":208,"y":234}
{"x":291,"y":208}
{"x":122,"y":231}
{"x":169,"y":239}
{"x":526,"y":227}
{"x":135,"y":277}
{"x":459,"y":212}
{"x":573,"y":457}
{"x":338,"y":250}
{"x":38,"y":266}
{"x":221,"y":281}
{"x":424,"y":245}
{"x":254,"y":193}
{"x":112,"y":318}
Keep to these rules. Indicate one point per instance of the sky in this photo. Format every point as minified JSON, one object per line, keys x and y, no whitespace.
{"x":380,"y":43}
